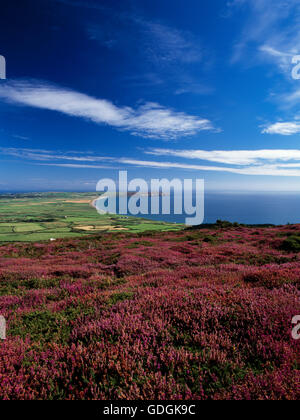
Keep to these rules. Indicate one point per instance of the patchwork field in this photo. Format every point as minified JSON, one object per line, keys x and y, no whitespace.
{"x":38,"y":217}
{"x":196,"y":314}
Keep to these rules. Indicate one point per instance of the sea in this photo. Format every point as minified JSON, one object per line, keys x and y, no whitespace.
{"x":246,"y":208}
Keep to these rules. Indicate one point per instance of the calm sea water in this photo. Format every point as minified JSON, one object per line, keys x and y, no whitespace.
{"x":249,"y":208}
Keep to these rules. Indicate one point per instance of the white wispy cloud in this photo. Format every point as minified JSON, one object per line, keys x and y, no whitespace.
{"x":275,"y":53}
{"x":283,"y":128}
{"x":281,"y":58}
{"x":151,"y":120}
{"x":290,"y":99}
{"x":159,"y":42}
{"x":271,"y":34}
{"x":77,"y":166}
{"x":231,"y":157}
{"x":17,"y":136}
{"x":242,"y":162}
{"x":273,"y":27}
{"x":169,"y":44}
{"x":261,"y":170}
{"x":48,"y":155}
{"x":168,"y":48}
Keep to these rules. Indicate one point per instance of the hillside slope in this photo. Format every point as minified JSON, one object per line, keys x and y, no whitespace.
{"x":195,"y":314}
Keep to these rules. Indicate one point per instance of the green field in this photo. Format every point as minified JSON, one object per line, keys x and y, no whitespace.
{"x":42,"y":216}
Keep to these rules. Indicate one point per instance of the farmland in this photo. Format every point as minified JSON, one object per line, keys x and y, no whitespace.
{"x":201,"y":313}
{"x":42,"y":216}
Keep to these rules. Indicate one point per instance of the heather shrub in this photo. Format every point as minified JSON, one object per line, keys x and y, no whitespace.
{"x":200,"y":314}
{"x":41,"y":326}
{"x":120,"y":297}
{"x":291,"y":244}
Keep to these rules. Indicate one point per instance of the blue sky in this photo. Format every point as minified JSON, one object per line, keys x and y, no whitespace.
{"x":170,"y":89}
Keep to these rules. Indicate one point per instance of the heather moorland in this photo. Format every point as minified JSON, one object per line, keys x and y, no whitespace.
{"x":196,"y":314}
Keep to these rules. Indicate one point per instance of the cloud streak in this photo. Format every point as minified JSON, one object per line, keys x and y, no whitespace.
{"x":151,"y":120}
{"x":158,"y":41}
{"x":266,"y":28}
{"x":231,"y":157}
{"x":47,"y":155}
{"x":168,"y":44}
{"x":283,"y":128}
{"x":76,"y":166}
{"x":243,"y":162}
{"x":262,"y":170}
{"x":271,"y":35}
